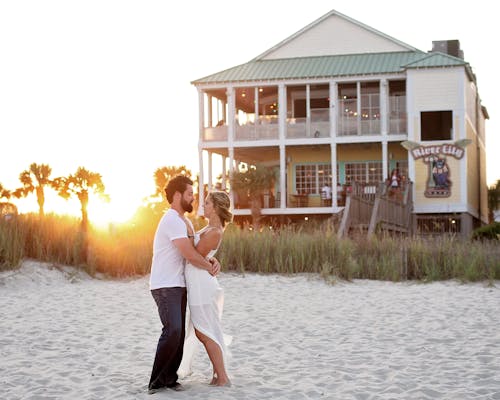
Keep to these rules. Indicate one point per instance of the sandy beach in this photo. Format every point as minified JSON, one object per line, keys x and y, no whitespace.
{"x":65,"y":335}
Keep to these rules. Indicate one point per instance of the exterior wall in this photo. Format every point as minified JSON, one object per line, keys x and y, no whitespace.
{"x":437,"y":90}
{"x":472,"y":172}
{"x":398,"y":152}
{"x":360,"y":152}
{"x":471,"y":98}
{"x":483,"y":187}
{"x":301,"y":154}
{"x":350,"y":38}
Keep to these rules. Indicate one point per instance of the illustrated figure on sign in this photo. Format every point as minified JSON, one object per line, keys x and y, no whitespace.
{"x":440,"y":173}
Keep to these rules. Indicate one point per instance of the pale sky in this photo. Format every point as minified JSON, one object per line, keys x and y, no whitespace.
{"x":106,"y":84}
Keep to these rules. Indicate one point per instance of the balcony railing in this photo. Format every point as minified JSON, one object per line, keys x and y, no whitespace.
{"x":397,"y":115}
{"x":318,"y":126}
{"x":215,"y":134}
{"x":266,"y":127}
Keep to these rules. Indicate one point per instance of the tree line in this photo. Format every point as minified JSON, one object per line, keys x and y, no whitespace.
{"x":37,"y":178}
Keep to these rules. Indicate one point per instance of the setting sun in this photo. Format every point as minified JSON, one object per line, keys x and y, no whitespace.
{"x":102,"y":213}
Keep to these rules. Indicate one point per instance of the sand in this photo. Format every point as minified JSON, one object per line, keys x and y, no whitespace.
{"x":64,"y":335}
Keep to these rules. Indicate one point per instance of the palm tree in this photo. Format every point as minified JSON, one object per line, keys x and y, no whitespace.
{"x":252,"y":183}
{"x":493,"y":199}
{"x":4,"y":193}
{"x":79,"y":185}
{"x":35,"y":179}
{"x":6,"y":208}
{"x":163,"y":175}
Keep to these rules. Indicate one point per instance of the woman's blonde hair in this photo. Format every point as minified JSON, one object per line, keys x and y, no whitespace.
{"x":222,"y":204}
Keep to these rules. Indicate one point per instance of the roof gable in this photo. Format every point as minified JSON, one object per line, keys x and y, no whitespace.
{"x":334,"y":34}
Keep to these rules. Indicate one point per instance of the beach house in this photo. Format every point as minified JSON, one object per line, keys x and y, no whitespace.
{"x":343,"y":105}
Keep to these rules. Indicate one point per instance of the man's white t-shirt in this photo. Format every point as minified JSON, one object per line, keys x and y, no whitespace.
{"x":327,"y":192}
{"x":167,"y":268}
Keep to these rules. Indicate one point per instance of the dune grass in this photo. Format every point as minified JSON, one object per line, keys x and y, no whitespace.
{"x":125,"y":250}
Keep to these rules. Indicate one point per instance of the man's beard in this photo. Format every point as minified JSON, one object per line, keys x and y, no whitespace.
{"x":187,"y":207}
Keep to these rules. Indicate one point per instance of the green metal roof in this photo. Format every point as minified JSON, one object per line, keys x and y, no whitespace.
{"x":432,"y":60}
{"x":331,"y":66}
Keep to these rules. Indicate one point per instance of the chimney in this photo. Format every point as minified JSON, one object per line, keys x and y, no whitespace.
{"x":450,"y":47}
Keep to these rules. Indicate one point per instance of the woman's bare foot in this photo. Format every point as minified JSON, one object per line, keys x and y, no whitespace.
{"x":223,"y":382}
{"x":213,"y":382}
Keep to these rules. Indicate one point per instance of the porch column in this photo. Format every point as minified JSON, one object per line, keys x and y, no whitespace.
{"x":224,"y":183}
{"x":384,"y":107}
{"x":210,"y":160}
{"x":308,"y":110}
{"x":385,"y":160}
{"x":224,"y":114}
{"x":334,"y":105}
{"x":358,"y":106}
{"x":283,"y":167}
{"x":201,"y":128}
{"x":230,"y":134}
{"x":384,"y":120}
{"x":334,"y":184}
{"x":282,"y":134}
{"x":210,"y":113}
{"x":201,"y":182}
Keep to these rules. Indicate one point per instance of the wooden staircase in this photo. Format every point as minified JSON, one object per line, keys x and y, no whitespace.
{"x":371,"y":209}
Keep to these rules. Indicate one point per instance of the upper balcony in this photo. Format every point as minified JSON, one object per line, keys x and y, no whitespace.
{"x":318,"y":125}
{"x":359,"y":110}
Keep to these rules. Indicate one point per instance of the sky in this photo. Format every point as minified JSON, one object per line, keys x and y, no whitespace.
{"x":106,"y":84}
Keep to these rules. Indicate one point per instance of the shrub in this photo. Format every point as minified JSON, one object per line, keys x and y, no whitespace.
{"x":491,"y":231}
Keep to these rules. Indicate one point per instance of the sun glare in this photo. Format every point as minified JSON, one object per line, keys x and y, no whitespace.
{"x":102,"y":214}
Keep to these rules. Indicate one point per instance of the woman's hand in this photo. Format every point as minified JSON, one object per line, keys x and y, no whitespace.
{"x":215,"y":266}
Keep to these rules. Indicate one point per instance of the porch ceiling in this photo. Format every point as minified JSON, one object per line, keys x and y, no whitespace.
{"x":251,"y":155}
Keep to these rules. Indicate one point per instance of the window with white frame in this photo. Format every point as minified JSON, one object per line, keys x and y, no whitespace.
{"x":310,"y":178}
{"x":363,"y":172}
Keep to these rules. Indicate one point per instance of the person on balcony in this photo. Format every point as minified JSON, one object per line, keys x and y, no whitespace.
{"x":326,"y":195}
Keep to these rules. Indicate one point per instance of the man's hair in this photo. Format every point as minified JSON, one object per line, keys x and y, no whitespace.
{"x":177,"y":184}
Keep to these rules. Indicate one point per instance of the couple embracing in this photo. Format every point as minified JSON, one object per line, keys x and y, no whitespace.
{"x":183,"y":272}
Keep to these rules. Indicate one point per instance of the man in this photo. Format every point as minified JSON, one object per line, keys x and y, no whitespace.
{"x":171,"y":249}
{"x":326,"y":195}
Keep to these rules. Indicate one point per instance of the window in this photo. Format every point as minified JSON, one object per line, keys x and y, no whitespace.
{"x":310,"y":178}
{"x":436,"y":125}
{"x":305,"y":178}
{"x":363,"y":172}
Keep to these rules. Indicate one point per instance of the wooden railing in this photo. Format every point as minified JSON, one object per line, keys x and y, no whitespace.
{"x":392,"y":212}
{"x":371,"y":207}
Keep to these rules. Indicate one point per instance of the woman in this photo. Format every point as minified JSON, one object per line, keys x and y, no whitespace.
{"x":205,"y":296}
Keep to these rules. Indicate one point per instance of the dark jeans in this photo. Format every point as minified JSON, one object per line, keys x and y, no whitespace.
{"x":171,"y":304}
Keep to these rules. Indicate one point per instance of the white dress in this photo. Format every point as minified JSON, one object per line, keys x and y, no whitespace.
{"x":204,"y":311}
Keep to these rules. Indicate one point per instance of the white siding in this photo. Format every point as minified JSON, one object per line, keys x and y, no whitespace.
{"x":436,"y":89}
{"x":471,"y":102}
{"x":332,"y":36}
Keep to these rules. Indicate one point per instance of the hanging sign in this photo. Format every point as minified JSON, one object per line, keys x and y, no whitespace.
{"x":434,"y":156}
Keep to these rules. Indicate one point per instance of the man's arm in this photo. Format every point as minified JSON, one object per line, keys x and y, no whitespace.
{"x":188,"y":251}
